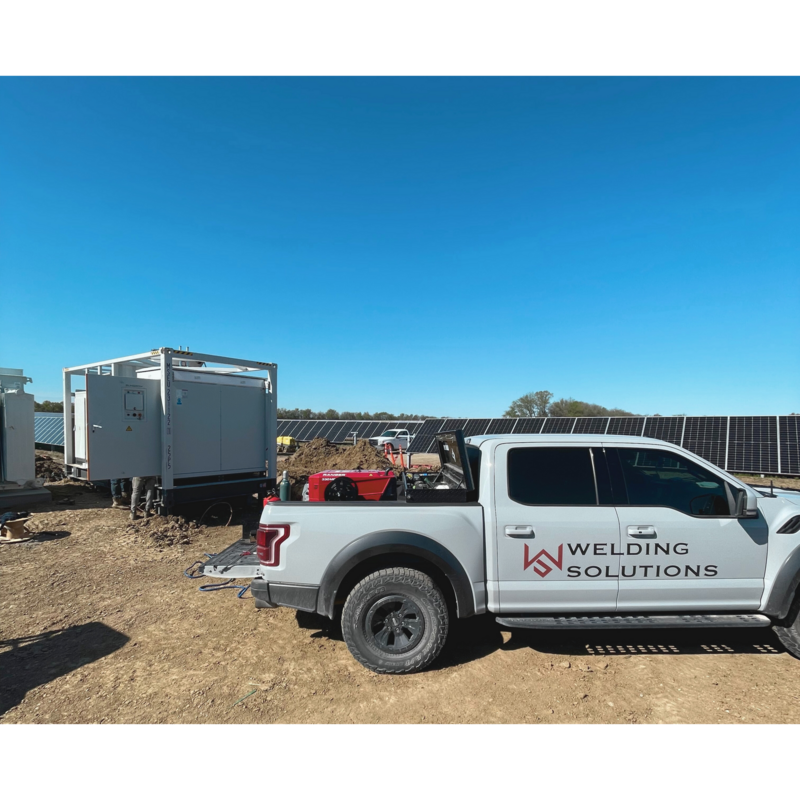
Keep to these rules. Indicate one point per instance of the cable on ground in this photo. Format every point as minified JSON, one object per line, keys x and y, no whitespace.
{"x":213,"y":587}
{"x":214,"y":505}
{"x":191,"y":573}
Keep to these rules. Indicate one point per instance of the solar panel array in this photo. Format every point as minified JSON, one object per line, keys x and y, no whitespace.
{"x":341,"y":430}
{"x":48,"y":428}
{"x":762,"y":445}
{"x":707,"y":436}
{"x":753,"y":441}
{"x":559,"y":425}
{"x":789,"y":450}
{"x":625,"y":426}
{"x":531,"y":425}
{"x":590,"y":425}
{"x":670,"y":429}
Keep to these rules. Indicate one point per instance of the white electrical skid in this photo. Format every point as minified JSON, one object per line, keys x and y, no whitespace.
{"x":205,"y":424}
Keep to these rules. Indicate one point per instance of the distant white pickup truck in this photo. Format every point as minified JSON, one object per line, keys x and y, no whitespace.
{"x":545,"y":531}
{"x":396,"y":438}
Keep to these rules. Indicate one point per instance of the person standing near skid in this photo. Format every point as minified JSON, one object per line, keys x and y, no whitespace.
{"x":145,"y":485}
{"x":120,"y":492}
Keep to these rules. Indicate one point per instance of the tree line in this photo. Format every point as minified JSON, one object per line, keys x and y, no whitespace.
{"x":331,"y":413}
{"x":49,"y":405}
{"x":541,"y":404}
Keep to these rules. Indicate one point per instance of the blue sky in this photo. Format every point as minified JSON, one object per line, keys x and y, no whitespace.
{"x":437,"y":246}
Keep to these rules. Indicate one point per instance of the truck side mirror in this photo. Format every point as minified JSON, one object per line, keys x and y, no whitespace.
{"x":746,"y":504}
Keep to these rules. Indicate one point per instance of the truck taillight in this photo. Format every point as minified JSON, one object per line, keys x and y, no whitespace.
{"x":268,"y":543}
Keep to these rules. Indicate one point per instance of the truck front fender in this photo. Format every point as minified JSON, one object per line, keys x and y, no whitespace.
{"x":401,"y":543}
{"x":784,"y":587}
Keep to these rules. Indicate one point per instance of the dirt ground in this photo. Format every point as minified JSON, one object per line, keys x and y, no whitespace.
{"x":777,"y":481}
{"x":98,"y":624}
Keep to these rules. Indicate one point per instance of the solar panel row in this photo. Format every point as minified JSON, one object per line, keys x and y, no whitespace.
{"x":625,"y":426}
{"x":336,"y":430}
{"x":789,"y":430}
{"x":670,"y":429}
{"x":48,"y":428}
{"x":707,"y":436}
{"x":558,"y":425}
{"x":768,"y":445}
{"x":530,"y":425}
{"x":501,"y":426}
{"x":476,"y":427}
{"x":753,"y":444}
{"x":590,"y":425}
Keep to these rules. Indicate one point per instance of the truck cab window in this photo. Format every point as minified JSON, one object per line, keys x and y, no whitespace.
{"x":551,"y":476}
{"x":662,"y":478}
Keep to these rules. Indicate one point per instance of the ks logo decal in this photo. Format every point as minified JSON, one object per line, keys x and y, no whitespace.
{"x":540,"y":566}
{"x":544,"y":563}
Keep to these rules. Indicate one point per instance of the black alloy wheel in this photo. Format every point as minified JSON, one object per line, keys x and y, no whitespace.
{"x":394,"y":624}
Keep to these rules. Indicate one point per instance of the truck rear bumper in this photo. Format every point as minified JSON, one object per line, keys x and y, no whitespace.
{"x":240,"y":560}
{"x":290,"y":595}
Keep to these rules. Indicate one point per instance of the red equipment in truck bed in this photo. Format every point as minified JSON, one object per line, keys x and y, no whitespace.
{"x":356,"y":485}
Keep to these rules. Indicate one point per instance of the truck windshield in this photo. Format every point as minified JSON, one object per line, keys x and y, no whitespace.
{"x":389,"y":433}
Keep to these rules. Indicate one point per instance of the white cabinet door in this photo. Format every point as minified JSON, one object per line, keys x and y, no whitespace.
{"x":123,"y":423}
{"x":243,"y":420}
{"x":196,"y":440}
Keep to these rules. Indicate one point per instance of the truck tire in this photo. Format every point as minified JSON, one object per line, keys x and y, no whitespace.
{"x":395,"y":621}
{"x":788,"y":629}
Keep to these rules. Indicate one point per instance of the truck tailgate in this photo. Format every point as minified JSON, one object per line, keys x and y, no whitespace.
{"x":237,"y":561}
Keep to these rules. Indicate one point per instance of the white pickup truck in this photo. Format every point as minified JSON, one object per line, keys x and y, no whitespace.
{"x":397,"y":438}
{"x":544,"y":531}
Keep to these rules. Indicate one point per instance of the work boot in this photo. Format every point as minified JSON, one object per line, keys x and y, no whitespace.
{"x":147,"y":513}
{"x":133,"y":515}
{"x":117,"y":503}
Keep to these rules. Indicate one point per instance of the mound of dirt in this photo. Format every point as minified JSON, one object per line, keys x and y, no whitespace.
{"x":320,"y":455}
{"x":163,"y":531}
{"x":49,"y":469}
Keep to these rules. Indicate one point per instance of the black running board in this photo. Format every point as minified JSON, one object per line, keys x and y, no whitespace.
{"x":639,"y":621}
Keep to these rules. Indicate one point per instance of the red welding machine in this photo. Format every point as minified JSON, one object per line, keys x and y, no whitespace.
{"x":357,"y":485}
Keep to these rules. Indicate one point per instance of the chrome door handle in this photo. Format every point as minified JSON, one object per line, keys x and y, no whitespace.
{"x":519,"y":531}
{"x":642,"y":531}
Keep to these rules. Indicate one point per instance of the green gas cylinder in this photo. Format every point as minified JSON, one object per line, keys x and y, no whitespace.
{"x":285,"y":487}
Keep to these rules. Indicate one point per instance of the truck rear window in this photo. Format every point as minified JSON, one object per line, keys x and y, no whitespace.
{"x":551,"y":476}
